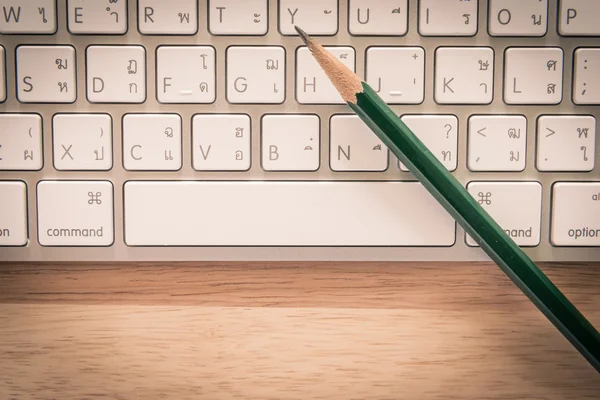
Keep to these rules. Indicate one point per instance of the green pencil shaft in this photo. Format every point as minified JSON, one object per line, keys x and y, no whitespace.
{"x":478,"y":223}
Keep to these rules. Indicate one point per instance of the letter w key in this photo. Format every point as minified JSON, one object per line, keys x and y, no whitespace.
{"x":29,"y":17}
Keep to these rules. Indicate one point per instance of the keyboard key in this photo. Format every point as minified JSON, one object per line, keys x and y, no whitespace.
{"x":578,"y":18}
{"x":28,"y":17}
{"x":75,"y":213}
{"x":262,"y":213}
{"x":2,"y":75}
{"x":46,"y":74}
{"x":177,"y":82}
{"x":312,"y":84}
{"x":586,"y":85}
{"x":382,"y":73}
{"x":290,"y":142}
{"x":97,"y":17}
{"x":385,"y":18}
{"x":354,"y":147}
{"x":497,"y":143}
{"x":221,"y":142}
{"x":21,"y":142}
{"x":516,"y":207}
{"x":518,"y":17}
{"x":533,"y":75}
{"x":159,"y":17}
{"x":439,"y":133}
{"x":464,"y":75}
{"x":447,"y":17}
{"x":13,"y":213}
{"x":315,"y":17}
{"x":116,"y":74}
{"x":256,"y":74}
{"x":566,"y":143}
{"x":82,"y":142}
{"x":152,"y":142}
{"x":232,"y":17}
{"x":575,"y":219}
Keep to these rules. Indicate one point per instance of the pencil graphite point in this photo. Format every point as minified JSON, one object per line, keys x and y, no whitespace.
{"x":303,"y":35}
{"x":347,"y":83}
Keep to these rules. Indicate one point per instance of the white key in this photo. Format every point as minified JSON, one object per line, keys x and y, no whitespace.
{"x":46,"y":74}
{"x":315,"y":17}
{"x":579,"y":18}
{"x":290,"y":142}
{"x":354,"y":147}
{"x":256,"y":74}
{"x":29,"y":17}
{"x":385,"y":17}
{"x":152,"y":142}
{"x":447,"y":18}
{"x":575,"y":214}
{"x":221,"y":142}
{"x":586,"y":83}
{"x":439,"y":133}
{"x":382,"y":73}
{"x":21,"y":142}
{"x":464,"y":75}
{"x":13,"y":213}
{"x":159,"y":17}
{"x":75,"y":213}
{"x":82,"y":142}
{"x":232,"y":17}
{"x":186,"y":74}
{"x":255,"y":213}
{"x":91,"y":17}
{"x":2,"y":75}
{"x":566,"y":143}
{"x":533,"y":75}
{"x":516,"y":207}
{"x":312,"y":84}
{"x":116,"y":74}
{"x":518,"y":17}
{"x":497,"y":143}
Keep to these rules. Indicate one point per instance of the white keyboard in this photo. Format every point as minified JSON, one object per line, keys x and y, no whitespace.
{"x":203,"y":129}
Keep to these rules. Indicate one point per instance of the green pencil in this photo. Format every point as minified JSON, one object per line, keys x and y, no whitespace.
{"x":457,"y":201}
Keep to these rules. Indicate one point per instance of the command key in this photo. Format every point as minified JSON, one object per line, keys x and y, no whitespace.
{"x":75,"y":213}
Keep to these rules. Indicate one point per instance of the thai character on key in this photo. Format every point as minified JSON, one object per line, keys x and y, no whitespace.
{"x":169,"y":132}
{"x":551,"y":88}
{"x":62,"y":64}
{"x":583,"y":132}
{"x":63,"y":86}
{"x":272,"y":64}
{"x":513,"y":156}
{"x":239,"y":155}
{"x":132,"y":67}
{"x":447,"y":155}
{"x":204,"y":87}
{"x":551,"y":65}
{"x":133,"y":88}
{"x":537,"y":21}
{"x":239,"y":132}
{"x":203,"y":56}
{"x":512,"y":133}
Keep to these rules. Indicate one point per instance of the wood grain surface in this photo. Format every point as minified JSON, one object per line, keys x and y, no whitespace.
{"x":291,"y":331}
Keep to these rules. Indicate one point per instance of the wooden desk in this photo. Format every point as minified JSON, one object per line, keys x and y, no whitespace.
{"x":302,"y":331}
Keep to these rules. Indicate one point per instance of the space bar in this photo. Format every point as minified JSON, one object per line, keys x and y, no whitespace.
{"x":275,"y":213}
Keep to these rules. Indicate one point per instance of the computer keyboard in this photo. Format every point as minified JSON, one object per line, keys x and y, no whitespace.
{"x":204,"y":130}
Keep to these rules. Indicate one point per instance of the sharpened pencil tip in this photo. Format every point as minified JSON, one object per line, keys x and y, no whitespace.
{"x":303,"y":35}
